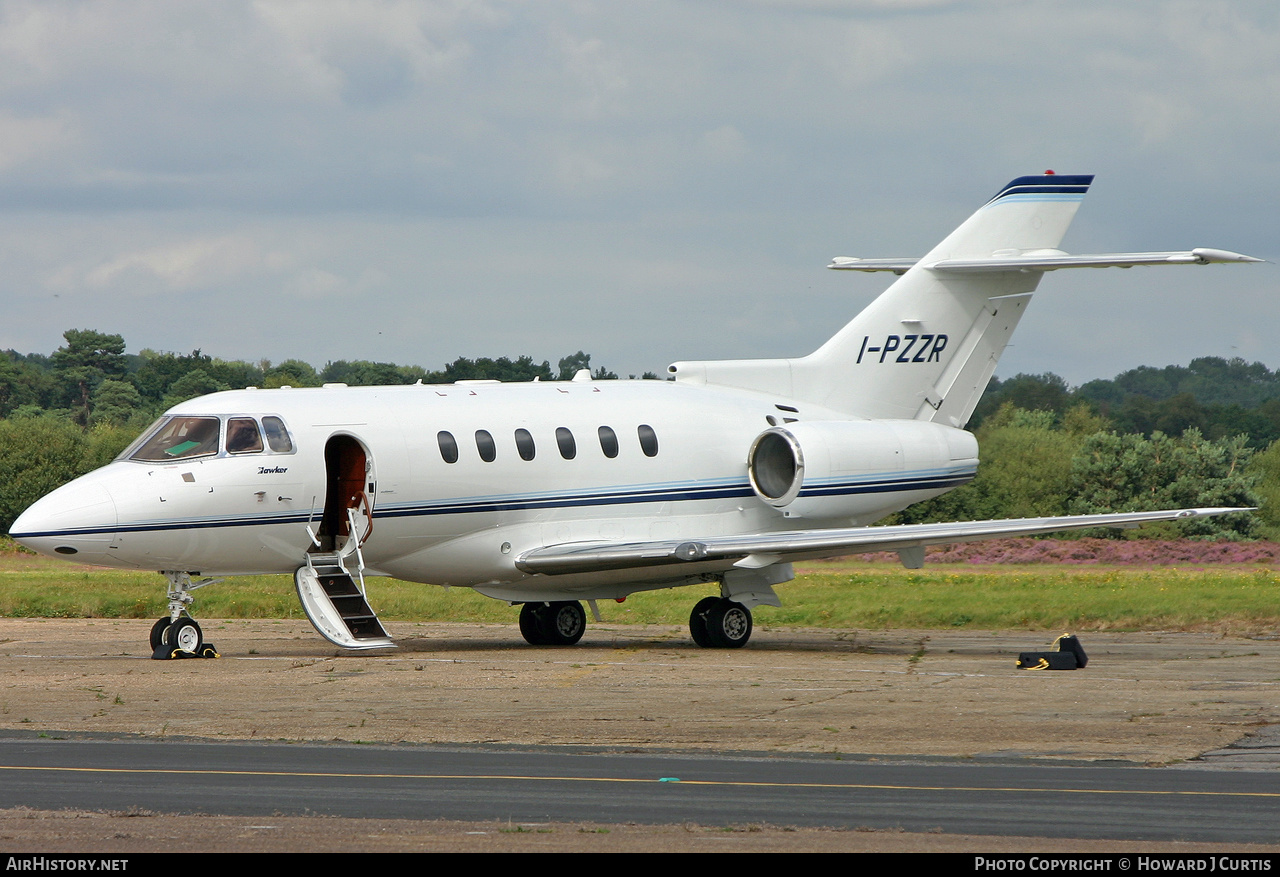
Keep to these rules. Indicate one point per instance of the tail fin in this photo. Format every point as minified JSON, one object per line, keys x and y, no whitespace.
{"x":927,"y":346}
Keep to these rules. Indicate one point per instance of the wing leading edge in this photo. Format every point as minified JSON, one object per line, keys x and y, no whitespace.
{"x":755,"y":551}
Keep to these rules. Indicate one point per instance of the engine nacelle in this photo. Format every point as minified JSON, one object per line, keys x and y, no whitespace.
{"x":862,"y":469}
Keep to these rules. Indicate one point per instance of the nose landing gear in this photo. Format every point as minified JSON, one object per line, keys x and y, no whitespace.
{"x":178,"y":635}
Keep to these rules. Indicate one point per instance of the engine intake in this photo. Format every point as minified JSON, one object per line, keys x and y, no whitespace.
{"x":861,"y":468}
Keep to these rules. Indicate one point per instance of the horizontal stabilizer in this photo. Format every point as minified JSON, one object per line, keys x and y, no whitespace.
{"x":1045,"y":261}
{"x":580,"y":557}
{"x":852,"y":263}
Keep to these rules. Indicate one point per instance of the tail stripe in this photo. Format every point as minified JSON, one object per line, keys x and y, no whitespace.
{"x":1065,"y":188}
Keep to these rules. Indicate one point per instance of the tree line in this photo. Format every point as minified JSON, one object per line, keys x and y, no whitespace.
{"x":1197,"y":435}
{"x":90,"y":380}
{"x":1036,"y":464}
{"x":1219,"y":397}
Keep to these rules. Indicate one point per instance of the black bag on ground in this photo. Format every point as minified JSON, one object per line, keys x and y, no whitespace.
{"x":1068,"y":654}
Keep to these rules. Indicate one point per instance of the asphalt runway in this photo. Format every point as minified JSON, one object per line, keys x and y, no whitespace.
{"x":568,"y":784}
{"x":807,"y":740}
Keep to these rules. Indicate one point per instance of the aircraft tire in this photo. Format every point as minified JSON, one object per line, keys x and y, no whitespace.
{"x":728,"y":625}
{"x":532,"y":625}
{"x":698,"y":621}
{"x":158,"y":631}
{"x":185,"y":634}
{"x":564,"y":623}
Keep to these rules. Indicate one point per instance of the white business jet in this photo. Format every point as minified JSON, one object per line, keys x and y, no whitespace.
{"x":546,"y":494}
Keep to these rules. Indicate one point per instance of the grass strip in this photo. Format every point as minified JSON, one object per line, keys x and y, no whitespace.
{"x":837,"y":594}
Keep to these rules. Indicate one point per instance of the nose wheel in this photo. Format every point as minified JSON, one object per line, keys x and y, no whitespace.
{"x":185,"y":634}
{"x":158,"y":631}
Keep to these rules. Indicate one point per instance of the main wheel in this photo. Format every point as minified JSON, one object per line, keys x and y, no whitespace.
{"x":158,"y":631}
{"x":185,"y":634}
{"x":698,"y":621}
{"x":564,"y":623}
{"x":531,"y":624}
{"x":728,"y":625}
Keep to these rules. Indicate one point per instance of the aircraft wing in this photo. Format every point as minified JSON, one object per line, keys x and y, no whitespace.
{"x":1051,"y":261}
{"x":754,"y":551}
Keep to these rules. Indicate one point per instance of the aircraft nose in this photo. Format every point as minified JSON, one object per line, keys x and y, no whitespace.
{"x":76,"y":521}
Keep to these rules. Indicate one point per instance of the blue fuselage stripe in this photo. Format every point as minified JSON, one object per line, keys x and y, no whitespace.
{"x":677,"y":493}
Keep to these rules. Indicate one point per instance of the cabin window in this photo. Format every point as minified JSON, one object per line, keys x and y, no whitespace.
{"x":277,"y":435}
{"x":608,"y":441}
{"x":524,"y":444}
{"x":568,"y":447}
{"x":486,"y":446}
{"x":648,"y":440}
{"x":448,"y":446}
{"x":179,"y":438}
{"x":243,"y":436}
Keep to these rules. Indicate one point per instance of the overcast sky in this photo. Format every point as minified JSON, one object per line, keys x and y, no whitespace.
{"x":416,"y":181}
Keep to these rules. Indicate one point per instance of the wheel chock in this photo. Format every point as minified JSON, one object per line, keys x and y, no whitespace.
{"x":1047,"y":661}
{"x":168,"y":653}
{"x":1068,"y":654}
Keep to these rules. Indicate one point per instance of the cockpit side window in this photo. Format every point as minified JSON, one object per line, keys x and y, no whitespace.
{"x":277,"y":435}
{"x":243,"y":436}
{"x":180,"y":438}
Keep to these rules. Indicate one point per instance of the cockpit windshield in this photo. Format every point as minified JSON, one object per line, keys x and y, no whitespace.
{"x":179,"y":438}
{"x":186,"y":437}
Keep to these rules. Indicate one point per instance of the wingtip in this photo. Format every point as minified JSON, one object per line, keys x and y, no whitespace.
{"x":1206,"y":255}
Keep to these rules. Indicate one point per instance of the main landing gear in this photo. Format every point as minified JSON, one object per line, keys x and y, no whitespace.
{"x":177,"y":635}
{"x":720,"y":623}
{"x":715,"y":623}
{"x":560,"y":623}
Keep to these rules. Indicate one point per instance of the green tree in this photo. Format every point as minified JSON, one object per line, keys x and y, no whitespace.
{"x":1132,"y":473}
{"x":104,"y":442}
{"x":1265,"y":467}
{"x":37,"y":454}
{"x":117,"y":402}
{"x":22,"y":383}
{"x":1179,"y":413}
{"x":500,"y":369}
{"x":362,"y":373}
{"x":189,"y":386}
{"x":571,"y":364}
{"x":291,"y":373}
{"x":1023,"y":473}
{"x":574,"y":362}
{"x":1046,"y":392}
{"x":87,"y":359}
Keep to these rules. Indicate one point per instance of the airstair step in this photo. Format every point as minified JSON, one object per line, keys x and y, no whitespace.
{"x":366,"y":628}
{"x":338,"y":609}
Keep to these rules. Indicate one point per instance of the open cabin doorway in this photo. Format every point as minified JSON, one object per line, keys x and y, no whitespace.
{"x":349,"y":485}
